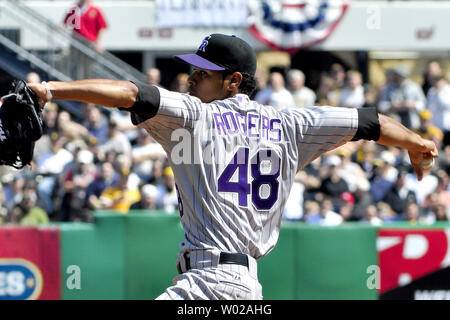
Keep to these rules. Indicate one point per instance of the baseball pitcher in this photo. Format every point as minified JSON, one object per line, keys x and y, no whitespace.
{"x":234,"y":159}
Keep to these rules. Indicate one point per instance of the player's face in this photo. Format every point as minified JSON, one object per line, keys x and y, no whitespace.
{"x":207,"y":85}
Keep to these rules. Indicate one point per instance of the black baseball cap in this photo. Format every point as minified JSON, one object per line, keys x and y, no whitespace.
{"x":219,"y":52}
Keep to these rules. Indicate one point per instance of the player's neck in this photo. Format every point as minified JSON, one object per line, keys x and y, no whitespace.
{"x":231,"y":94}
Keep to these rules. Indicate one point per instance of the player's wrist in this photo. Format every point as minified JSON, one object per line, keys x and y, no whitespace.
{"x":48,"y":92}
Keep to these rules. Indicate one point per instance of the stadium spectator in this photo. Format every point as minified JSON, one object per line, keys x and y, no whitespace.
{"x":372,"y":217}
{"x":50,"y":165}
{"x":350,"y":171}
{"x":13,"y":190}
{"x":421,"y":188}
{"x":75,"y":182}
{"x":399,"y":195}
{"x":293,"y":210}
{"x":338,"y":77}
{"x":443,"y":161}
{"x":337,"y":73}
{"x":411,"y":213}
{"x":27,"y":212}
{"x":120,"y":197}
{"x":144,"y":153}
{"x":180,"y":83}
{"x":50,"y":116}
{"x":363,"y":199}
{"x":443,"y":188}
{"x":96,"y":123}
{"x":262,"y":79}
{"x":381,"y":182}
{"x":312,"y":212}
{"x":124,"y":124}
{"x":442,"y":213}
{"x":386,"y":213}
{"x":365,"y":157}
{"x":88,"y":20}
{"x":3,"y":209}
{"x":432,"y":72}
{"x":116,"y":142}
{"x":328,"y":216}
{"x":50,"y":126}
{"x":303,"y":96}
{"x":106,"y":178}
{"x":352,"y":94}
{"x":123,"y":163}
{"x":156,"y":176}
{"x":346,"y":204}
{"x":403,"y":98}
{"x":149,"y":198}
{"x":370,"y":97}
{"x":308,"y":176}
{"x":333,"y":185}
{"x":168,"y":198}
{"x":438,"y":102}
{"x":429,"y":208}
{"x":53,"y":161}
{"x":71,"y":130}
{"x":390,"y":163}
{"x":325,"y":95}
{"x":427,"y":130}
{"x":154,"y":76}
{"x":276,"y":93}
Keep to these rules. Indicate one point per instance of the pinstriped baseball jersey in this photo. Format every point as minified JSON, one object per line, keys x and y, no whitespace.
{"x":234,"y":163}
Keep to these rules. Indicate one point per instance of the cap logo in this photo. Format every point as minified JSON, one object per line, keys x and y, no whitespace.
{"x":204,"y":44}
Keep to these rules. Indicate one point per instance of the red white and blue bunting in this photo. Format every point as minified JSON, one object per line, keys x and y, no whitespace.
{"x":289,"y":25}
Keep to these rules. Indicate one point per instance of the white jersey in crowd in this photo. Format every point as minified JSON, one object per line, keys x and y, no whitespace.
{"x":234,"y":163}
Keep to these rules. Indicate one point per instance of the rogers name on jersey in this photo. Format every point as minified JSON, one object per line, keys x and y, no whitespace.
{"x":231,"y":123}
{"x":19,"y":280}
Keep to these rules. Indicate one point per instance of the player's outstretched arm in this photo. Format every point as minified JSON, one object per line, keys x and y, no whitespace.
{"x":105,"y":92}
{"x":393,"y":133}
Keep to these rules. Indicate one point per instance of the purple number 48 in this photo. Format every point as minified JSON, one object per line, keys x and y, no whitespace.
{"x":242,"y":187}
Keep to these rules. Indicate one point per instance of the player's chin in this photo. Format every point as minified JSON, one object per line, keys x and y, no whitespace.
{"x":202,"y":97}
{"x":195,"y":94}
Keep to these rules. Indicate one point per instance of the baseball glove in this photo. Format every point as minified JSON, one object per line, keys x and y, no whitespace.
{"x":20,"y":125}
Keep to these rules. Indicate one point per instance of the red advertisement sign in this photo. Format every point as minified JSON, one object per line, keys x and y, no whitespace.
{"x":409,"y":254}
{"x":29,"y":263}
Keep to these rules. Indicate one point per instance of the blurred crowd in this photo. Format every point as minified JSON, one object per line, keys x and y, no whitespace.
{"x":363,"y":181}
{"x":103,"y":162}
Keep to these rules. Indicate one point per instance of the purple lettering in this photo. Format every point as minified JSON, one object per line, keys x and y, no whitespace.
{"x":273,"y":129}
{"x":241,"y":123}
{"x":264,"y":127}
{"x":219,"y":124}
{"x":225,"y":117}
{"x":252,"y":125}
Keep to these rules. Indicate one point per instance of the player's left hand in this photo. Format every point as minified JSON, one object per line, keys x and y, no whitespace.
{"x":426,"y":150}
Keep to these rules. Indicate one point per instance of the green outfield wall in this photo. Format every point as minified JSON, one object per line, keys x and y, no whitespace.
{"x":312,"y":262}
{"x":133,"y":257}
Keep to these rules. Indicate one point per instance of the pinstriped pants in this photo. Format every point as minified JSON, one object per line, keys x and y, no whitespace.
{"x":209,"y":280}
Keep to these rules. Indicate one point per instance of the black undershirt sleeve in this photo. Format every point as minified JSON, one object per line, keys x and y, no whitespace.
{"x":146,"y":105}
{"x":368,"y":125}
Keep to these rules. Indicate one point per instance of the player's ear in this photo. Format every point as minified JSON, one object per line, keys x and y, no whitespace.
{"x":235,"y":80}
